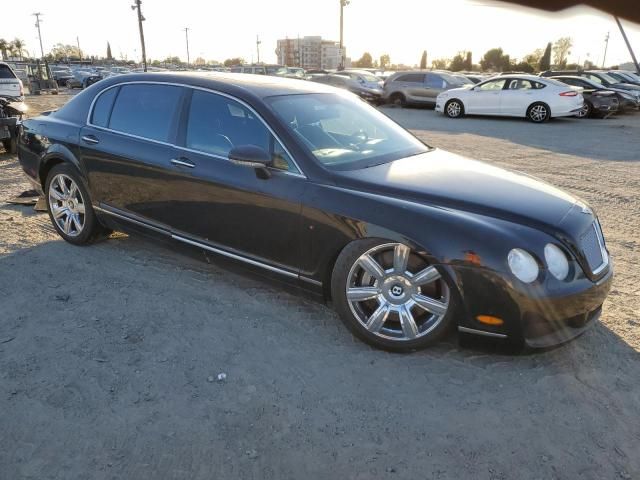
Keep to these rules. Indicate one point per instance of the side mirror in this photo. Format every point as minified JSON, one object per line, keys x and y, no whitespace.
{"x":250,"y":156}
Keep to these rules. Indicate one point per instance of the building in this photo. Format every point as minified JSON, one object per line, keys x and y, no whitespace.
{"x":310,"y":53}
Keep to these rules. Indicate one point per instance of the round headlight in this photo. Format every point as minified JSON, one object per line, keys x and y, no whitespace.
{"x":557,"y":262}
{"x":523,"y":265}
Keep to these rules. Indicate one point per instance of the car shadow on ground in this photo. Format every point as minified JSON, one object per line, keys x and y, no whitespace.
{"x":599,"y":139}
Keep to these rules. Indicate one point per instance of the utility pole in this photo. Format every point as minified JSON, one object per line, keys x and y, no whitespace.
{"x":343,"y":3}
{"x":79,"y":51}
{"x":258,"y":42}
{"x":626,"y":40}
{"x":186,"y":36}
{"x":606,"y":44}
{"x":37,"y":15}
{"x":140,"y":20}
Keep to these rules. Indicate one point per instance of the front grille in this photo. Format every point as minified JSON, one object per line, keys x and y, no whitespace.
{"x":592,"y":244}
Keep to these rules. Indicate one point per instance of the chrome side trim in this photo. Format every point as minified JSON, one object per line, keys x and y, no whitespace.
{"x":184,"y":85}
{"x":234,"y":256}
{"x":209,"y":247}
{"x":132,"y":220}
{"x":481,"y":332}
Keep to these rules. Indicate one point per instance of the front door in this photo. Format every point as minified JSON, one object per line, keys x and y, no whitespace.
{"x":485,"y":98}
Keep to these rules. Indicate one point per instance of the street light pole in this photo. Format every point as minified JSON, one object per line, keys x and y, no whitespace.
{"x":258,"y":42}
{"x":606,"y":44}
{"x":186,"y":36}
{"x":140,"y":20}
{"x":343,"y":3}
{"x":37,"y":15}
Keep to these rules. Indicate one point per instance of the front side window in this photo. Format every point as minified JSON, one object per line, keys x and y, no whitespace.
{"x":216,"y":124}
{"x":343,"y":133}
{"x":492,"y":85}
{"x":6,"y":72}
{"x":146,"y":110}
{"x":411,"y":78}
{"x":435,"y":81}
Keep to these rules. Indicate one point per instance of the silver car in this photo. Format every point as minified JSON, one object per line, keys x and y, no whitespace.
{"x":418,"y":87}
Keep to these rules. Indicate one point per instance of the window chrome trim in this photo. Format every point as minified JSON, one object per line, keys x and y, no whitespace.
{"x":107,"y":210}
{"x":300,"y":172}
{"x":481,"y":332}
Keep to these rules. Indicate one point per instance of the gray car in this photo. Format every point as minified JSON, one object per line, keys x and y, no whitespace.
{"x":418,"y":87}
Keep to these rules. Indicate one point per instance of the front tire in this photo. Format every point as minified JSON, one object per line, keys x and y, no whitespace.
{"x":10,"y":145}
{"x":390,"y":297}
{"x":69,"y":206}
{"x":398,"y":99}
{"x":586,"y":110}
{"x":454,"y":109}
{"x":539,"y":112}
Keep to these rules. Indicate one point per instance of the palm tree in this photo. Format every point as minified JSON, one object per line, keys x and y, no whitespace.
{"x":4,"y":46}
{"x":19,"y":46}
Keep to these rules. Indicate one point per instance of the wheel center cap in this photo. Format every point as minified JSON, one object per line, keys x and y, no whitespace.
{"x":397,"y":290}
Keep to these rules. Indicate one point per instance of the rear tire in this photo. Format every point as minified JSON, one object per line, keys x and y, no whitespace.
{"x":539,"y":112}
{"x":398,"y":99}
{"x":586,"y":111}
{"x":69,"y":206}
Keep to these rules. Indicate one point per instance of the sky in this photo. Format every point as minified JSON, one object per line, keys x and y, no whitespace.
{"x":401,"y":28}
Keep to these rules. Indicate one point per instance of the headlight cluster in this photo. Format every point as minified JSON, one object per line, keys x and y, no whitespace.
{"x":526,"y":269}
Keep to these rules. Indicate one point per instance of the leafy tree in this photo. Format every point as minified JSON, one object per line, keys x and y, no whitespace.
{"x":545,"y":60}
{"x":495,"y":60}
{"x":230,"y":62}
{"x":468,"y":63}
{"x":18,"y":46}
{"x":561,"y":50}
{"x":589,"y":65}
{"x":365,"y":61}
{"x":523,"y":66}
{"x":458,"y":62}
{"x":4,"y":46}
{"x":109,"y":56}
{"x":423,"y":60}
{"x":63,"y":52}
{"x":440,"y":63}
{"x":199,"y":61}
{"x":385,"y":60}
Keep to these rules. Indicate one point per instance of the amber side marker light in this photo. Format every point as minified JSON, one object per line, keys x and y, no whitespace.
{"x":489,"y":320}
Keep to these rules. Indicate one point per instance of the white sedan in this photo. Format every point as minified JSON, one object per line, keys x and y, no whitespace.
{"x":535,"y":98}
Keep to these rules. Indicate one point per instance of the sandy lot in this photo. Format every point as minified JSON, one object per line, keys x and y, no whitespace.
{"x":109,"y":355}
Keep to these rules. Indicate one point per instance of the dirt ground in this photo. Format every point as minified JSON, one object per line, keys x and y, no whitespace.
{"x":110,"y":354}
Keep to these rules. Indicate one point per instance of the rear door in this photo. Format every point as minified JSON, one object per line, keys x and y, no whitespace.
{"x":127,"y":147}
{"x":434,"y":85}
{"x":411,"y":85}
{"x":517,"y":95}
{"x":485,"y":98}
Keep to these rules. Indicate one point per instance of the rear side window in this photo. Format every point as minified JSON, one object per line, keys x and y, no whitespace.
{"x":411,"y":78}
{"x":5,"y":72}
{"x":145,"y":110}
{"x":102,"y":108}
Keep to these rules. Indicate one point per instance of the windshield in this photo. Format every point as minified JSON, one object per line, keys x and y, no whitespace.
{"x":608,"y":78}
{"x":344,"y":133}
{"x":369,"y":77}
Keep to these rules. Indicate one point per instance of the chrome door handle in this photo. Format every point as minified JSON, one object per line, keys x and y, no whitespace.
{"x":90,"y":139}
{"x":182,"y":162}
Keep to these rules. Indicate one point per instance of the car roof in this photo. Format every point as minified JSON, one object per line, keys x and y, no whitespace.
{"x":240,"y":84}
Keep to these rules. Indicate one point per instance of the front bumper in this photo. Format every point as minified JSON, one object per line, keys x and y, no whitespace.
{"x":542,"y":316}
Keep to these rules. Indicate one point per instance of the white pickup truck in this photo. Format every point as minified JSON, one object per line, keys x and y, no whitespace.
{"x":11,"y":107}
{"x":10,"y":84}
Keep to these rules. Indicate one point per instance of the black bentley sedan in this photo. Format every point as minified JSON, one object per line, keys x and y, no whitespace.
{"x":314,"y":186}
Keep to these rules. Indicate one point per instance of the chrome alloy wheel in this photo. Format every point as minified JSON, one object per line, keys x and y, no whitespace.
{"x":394,"y":294}
{"x":538,"y":113}
{"x":584,"y":111}
{"x":454,"y":109}
{"x":66,"y":205}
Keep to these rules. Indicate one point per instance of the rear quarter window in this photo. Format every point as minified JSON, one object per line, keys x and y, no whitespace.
{"x":6,"y":72}
{"x":102,"y":107}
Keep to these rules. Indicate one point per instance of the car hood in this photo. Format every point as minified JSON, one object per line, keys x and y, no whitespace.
{"x":452,"y":181}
